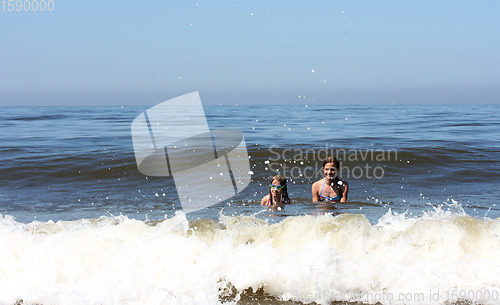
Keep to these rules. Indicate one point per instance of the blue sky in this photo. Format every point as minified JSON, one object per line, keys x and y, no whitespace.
{"x":251,"y":52}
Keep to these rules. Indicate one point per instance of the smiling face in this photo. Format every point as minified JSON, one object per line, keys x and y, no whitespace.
{"x":330,"y":171}
{"x":276,"y":188}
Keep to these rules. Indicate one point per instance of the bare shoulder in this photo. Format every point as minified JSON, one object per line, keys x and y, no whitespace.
{"x":317,"y":184}
{"x":344,"y":183}
{"x":315,"y":190}
{"x":264,"y":200}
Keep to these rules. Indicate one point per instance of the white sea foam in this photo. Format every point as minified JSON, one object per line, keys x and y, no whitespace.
{"x":438,"y":256}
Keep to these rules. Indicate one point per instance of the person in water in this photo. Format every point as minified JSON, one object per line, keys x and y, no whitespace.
{"x":330,"y":188}
{"x":278,"y":193}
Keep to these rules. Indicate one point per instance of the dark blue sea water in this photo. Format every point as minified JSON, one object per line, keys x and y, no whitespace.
{"x":64,"y":163}
{"x":421,"y":215}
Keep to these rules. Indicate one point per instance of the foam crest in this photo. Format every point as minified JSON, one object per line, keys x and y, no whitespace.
{"x":323,"y":258}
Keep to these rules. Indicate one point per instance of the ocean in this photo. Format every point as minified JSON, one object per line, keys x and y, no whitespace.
{"x":79,"y":224}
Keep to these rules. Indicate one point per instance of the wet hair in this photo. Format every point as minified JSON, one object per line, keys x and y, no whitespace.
{"x":284,"y":192}
{"x":332,"y":160}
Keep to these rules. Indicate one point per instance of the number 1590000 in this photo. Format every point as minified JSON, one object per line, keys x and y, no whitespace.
{"x":27,"y":5}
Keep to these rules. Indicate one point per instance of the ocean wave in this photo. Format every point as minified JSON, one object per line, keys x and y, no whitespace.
{"x":436,"y":256}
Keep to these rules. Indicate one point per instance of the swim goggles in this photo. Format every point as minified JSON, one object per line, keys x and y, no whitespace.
{"x":276,"y":187}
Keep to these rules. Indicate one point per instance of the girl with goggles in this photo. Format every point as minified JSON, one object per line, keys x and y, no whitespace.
{"x":278,"y":193}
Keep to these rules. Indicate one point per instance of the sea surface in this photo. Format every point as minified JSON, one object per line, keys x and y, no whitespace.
{"x":79,"y":224}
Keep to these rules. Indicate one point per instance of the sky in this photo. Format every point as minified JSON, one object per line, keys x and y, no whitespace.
{"x":250,"y":52}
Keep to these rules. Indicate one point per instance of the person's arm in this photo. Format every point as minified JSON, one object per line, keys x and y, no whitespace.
{"x":315,"y":192}
{"x":345,"y":189}
{"x":264,"y":200}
